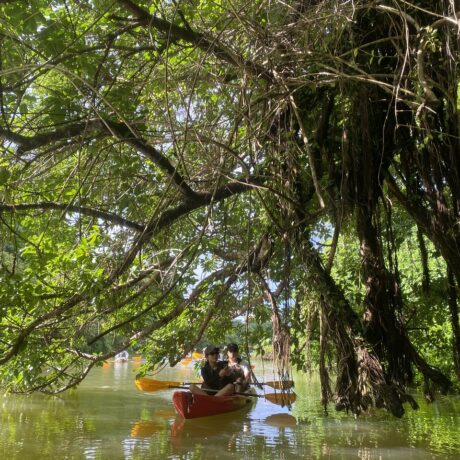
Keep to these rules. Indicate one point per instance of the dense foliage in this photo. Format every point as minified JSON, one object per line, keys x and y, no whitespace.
{"x":169,"y":166}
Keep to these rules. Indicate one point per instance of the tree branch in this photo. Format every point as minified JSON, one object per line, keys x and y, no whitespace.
{"x":166,"y":219}
{"x":200,"y":40}
{"x":107,"y":216}
{"x":119,"y":130}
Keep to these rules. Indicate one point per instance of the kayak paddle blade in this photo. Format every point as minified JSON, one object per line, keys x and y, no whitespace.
{"x":277,"y":385}
{"x":283,"y":399}
{"x":146,"y":384}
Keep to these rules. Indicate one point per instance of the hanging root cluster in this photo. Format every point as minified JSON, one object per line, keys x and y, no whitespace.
{"x":361,"y":383}
{"x":281,"y":347}
{"x":373,"y":387}
{"x":281,"y":359}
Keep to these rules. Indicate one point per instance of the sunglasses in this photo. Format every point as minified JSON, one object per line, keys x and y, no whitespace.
{"x":213,"y":353}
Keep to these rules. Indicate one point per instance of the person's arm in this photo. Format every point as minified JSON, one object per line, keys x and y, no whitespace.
{"x":247,"y":372}
{"x":225,"y":371}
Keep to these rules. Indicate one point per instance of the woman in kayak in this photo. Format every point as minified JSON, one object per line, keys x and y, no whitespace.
{"x":223,"y":378}
{"x":213,"y":373}
{"x":237,"y":371}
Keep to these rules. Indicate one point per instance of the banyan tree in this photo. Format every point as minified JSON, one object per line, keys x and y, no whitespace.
{"x":169,"y":166}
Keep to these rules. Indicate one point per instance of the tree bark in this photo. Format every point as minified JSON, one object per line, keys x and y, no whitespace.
{"x":424,"y":259}
{"x":383,"y":306}
{"x":453,"y":307}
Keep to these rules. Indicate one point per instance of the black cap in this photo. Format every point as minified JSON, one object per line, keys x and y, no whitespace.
{"x":232,"y":347}
{"x":211,"y":349}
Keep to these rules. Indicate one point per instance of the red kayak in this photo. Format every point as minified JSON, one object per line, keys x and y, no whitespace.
{"x":192,"y":406}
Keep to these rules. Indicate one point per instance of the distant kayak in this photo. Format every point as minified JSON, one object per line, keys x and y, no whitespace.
{"x":190,"y":405}
{"x":122,"y":357}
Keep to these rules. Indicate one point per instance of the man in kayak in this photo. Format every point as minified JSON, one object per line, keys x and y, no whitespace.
{"x":237,"y":372}
{"x":213,"y":373}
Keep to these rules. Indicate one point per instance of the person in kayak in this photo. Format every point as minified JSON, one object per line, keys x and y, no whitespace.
{"x":237,"y":372}
{"x":213,"y":373}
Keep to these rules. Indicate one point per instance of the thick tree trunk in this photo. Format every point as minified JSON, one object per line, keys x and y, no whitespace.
{"x":383,"y":317}
{"x":360,"y":378}
{"x":384,"y":328}
{"x":453,"y":307}
{"x":424,"y":259}
{"x":429,"y":142}
{"x":326,"y":391}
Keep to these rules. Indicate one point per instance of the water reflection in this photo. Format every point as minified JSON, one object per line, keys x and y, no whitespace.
{"x":223,"y":432}
{"x":281,"y":420}
{"x":145,"y":428}
{"x":108,"y":418}
{"x":120,"y":371}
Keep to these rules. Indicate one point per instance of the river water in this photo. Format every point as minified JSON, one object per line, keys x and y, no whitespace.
{"x":108,"y":418}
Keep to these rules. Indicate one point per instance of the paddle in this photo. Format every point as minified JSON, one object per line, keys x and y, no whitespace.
{"x":283,"y":399}
{"x":275,"y":398}
{"x":276,"y":385}
{"x":148,"y":384}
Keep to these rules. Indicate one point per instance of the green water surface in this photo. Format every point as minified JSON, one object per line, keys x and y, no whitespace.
{"x":108,"y":418}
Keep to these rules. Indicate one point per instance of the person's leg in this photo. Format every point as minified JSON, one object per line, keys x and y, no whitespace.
{"x":228,"y":390}
{"x":197,"y":391}
{"x":241,"y":388}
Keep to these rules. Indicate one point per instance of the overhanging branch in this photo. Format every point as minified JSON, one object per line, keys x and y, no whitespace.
{"x":106,"y":216}
{"x":200,"y":40}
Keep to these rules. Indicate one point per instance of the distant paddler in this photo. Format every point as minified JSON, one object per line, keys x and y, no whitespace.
{"x":123,"y":356}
